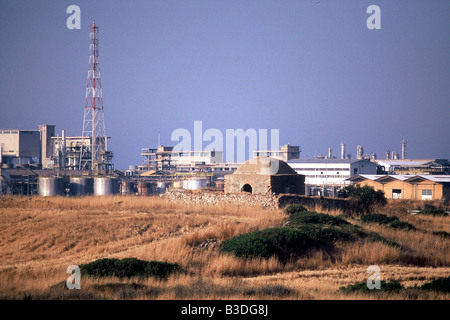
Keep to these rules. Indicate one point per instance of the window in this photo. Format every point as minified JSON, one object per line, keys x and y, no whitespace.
{"x":427,"y":194}
{"x":396,"y":193}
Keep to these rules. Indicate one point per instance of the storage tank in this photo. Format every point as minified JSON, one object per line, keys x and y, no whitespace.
{"x":105,"y":186}
{"x":51,"y":186}
{"x":194,"y":184}
{"x":81,"y":186}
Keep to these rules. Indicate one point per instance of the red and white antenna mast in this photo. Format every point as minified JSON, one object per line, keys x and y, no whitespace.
{"x":96,"y":157}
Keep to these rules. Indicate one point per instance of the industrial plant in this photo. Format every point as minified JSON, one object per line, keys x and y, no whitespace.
{"x":47,"y":163}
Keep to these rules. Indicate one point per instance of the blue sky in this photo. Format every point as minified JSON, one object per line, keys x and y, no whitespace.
{"x":311,"y":69}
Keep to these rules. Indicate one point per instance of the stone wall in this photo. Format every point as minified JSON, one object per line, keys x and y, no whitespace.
{"x":270,"y":201}
{"x":205,"y":197}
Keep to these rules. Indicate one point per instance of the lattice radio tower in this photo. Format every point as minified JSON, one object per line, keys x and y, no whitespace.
{"x":96,"y":156}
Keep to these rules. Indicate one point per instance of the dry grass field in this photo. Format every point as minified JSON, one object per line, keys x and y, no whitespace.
{"x":41,"y":237}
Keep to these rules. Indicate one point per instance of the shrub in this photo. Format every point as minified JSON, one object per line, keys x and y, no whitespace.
{"x":375,"y":237}
{"x":432,"y":210}
{"x":399,"y":224}
{"x":366,"y":196}
{"x":392,"y":286}
{"x":344,"y":216}
{"x":392,"y":222}
{"x":281,"y":242}
{"x":377,"y":218}
{"x":329,"y":234}
{"x":294,"y":208}
{"x":128,"y":267}
{"x":300,"y":218}
{"x":443,"y":234}
{"x":442,"y":284}
{"x":327,"y":229}
{"x":275,"y":291}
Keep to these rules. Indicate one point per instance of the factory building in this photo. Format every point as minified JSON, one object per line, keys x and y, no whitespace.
{"x":286,"y":153}
{"x":326,"y":176}
{"x":20,"y":147}
{"x":166,"y":159}
{"x":413,"y":166}
{"x":410,"y":187}
{"x":43,"y":149}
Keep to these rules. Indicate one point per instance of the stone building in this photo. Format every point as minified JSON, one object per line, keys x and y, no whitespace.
{"x":265,"y":175}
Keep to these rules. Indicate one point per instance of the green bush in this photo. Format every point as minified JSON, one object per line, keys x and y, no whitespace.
{"x":327,"y":229}
{"x":375,"y":237}
{"x":442,"y":285}
{"x":128,"y":267}
{"x":294,"y":208}
{"x":281,"y":242}
{"x":326,"y":235}
{"x":432,"y":210}
{"x":301,"y":218}
{"x":392,"y":286}
{"x":399,"y":224}
{"x":345,"y":216}
{"x":366,"y":196}
{"x":443,"y":234}
{"x":330,"y":234}
{"x":392,"y":222}
{"x":377,"y":218}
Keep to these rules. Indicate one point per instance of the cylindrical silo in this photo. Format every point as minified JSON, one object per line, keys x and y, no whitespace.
{"x":105,"y":186}
{"x":51,"y":186}
{"x":81,"y":186}
{"x":194,"y":184}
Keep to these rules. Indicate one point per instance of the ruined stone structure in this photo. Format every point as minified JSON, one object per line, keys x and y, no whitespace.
{"x":267,"y":201}
{"x":213,"y":198}
{"x":265,"y":175}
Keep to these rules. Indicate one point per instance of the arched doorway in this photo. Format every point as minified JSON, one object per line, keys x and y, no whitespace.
{"x":246,"y":188}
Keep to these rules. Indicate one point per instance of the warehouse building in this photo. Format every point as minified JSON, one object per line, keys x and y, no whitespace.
{"x":410,"y":187}
{"x":326,"y":176}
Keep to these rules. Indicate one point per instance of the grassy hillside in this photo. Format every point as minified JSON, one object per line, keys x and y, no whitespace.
{"x":41,"y":237}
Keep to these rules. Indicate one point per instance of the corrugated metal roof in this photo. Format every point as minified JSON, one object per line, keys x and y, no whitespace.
{"x":404,"y":163}
{"x":436,"y":178}
{"x":403,"y":177}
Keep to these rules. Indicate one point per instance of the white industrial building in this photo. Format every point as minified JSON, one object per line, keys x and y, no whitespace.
{"x":197,"y":157}
{"x":165,"y":158}
{"x":285,"y":153}
{"x":326,"y":176}
{"x":413,"y":166}
{"x":20,"y":147}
